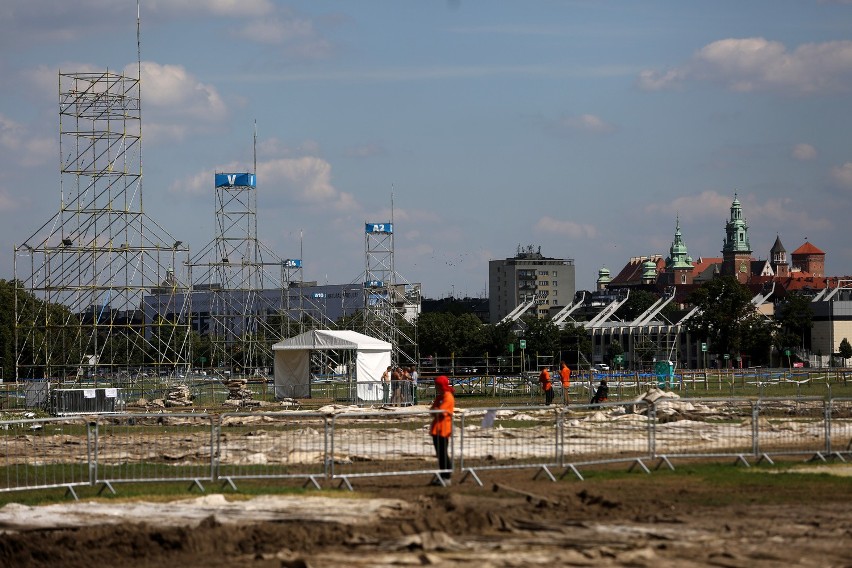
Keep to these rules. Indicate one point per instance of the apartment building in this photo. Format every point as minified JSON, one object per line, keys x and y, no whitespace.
{"x":528,"y":275}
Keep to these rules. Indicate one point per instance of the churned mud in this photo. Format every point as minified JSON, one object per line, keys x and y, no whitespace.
{"x":512,"y":520}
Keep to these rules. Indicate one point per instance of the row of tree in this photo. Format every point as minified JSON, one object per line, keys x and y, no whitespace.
{"x":727,"y":320}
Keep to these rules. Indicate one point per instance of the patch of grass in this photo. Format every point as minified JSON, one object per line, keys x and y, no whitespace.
{"x":719,"y":484}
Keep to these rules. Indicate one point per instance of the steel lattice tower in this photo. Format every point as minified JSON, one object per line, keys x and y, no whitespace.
{"x":100,"y":284}
{"x":241,"y":292}
{"x":242,"y":287}
{"x":388,"y":304}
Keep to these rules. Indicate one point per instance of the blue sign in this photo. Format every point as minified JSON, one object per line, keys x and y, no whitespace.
{"x":385,"y":228}
{"x":236,"y":180}
{"x":374,"y":284}
{"x":293,"y":263}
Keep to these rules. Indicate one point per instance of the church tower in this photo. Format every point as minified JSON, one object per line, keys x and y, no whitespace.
{"x":679,"y":263}
{"x":736,"y":250}
{"x":778,"y":256}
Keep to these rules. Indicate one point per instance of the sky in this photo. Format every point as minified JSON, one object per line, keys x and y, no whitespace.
{"x":587,"y":128}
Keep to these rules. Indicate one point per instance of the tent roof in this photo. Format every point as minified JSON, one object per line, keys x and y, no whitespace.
{"x":333,"y":339}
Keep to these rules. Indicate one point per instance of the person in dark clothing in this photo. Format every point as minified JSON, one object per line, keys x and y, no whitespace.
{"x":601,"y":393}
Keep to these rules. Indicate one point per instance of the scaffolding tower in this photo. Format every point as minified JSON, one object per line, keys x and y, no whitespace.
{"x":240,"y":286}
{"x":390,"y":303}
{"x":100,"y":287}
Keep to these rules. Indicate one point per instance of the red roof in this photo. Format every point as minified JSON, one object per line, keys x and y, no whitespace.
{"x":703,"y":263}
{"x":808,"y":248}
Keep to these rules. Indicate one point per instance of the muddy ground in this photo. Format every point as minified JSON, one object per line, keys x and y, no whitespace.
{"x":636,"y":519}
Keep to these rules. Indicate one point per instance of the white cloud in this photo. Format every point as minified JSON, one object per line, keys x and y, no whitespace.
{"x":711,"y":205}
{"x":804,"y":152}
{"x":170,"y":88}
{"x":297,"y":37}
{"x":757,"y":64}
{"x":842,"y":175}
{"x":302,"y":180}
{"x":566,"y":228}
{"x":688,"y":207}
{"x":586,"y":123}
{"x":365,"y":150}
{"x":229,"y":8}
{"x":7,"y":202}
{"x":176,"y":103}
{"x":23,"y":147}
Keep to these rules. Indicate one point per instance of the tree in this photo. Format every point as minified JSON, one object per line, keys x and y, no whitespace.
{"x":444,"y":334}
{"x":845,"y":350}
{"x":575,"y":345}
{"x":615,"y":348}
{"x":726,"y":314}
{"x":794,"y":316}
{"x":542,"y":336}
{"x":497,"y":337}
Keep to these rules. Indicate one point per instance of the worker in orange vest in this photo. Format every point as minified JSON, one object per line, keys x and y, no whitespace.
{"x":565,"y":375}
{"x":546,"y":385}
{"x":442,"y":427}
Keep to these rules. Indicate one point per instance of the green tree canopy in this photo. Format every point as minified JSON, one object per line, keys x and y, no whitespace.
{"x":794,"y":316}
{"x":845,"y":349}
{"x":443,"y":334}
{"x":575,"y":346}
{"x":725,"y":317}
{"x":542,"y":336}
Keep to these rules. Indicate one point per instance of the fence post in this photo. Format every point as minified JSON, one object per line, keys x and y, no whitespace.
{"x":92,"y":450}
{"x":652,"y":429}
{"x":828,"y":405}
{"x":755,"y":429}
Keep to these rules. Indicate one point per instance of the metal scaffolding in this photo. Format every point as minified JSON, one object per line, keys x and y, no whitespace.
{"x":390,"y":305}
{"x":240,"y":295}
{"x":100,"y":287}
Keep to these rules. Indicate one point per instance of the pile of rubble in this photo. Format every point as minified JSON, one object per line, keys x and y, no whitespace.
{"x":239,"y":394}
{"x":179,"y":396}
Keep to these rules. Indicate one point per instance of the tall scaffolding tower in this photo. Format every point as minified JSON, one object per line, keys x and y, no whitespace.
{"x":240,"y":285}
{"x":100,"y":286}
{"x":390,"y":303}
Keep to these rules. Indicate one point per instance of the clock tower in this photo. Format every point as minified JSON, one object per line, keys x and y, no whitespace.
{"x":736,"y":250}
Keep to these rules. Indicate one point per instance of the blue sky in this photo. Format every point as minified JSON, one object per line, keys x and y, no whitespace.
{"x":584,"y":127}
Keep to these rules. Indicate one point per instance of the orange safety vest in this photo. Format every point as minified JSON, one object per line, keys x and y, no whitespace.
{"x":442,"y":422}
{"x":565,"y":373}
{"x":544,"y":379}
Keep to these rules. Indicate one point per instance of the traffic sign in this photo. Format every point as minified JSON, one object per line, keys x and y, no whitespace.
{"x":704,"y":347}
{"x":523,"y":343}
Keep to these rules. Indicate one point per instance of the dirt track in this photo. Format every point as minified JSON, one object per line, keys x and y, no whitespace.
{"x":636,"y":520}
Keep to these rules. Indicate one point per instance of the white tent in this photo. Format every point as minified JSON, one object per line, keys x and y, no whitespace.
{"x":293,"y":355}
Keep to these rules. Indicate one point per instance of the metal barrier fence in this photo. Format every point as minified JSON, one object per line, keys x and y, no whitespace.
{"x":372,"y":444}
{"x":705,"y":428}
{"x":45,"y":453}
{"x":272,"y":445}
{"x":154,"y":447}
{"x":606,"y":433}
{"x":839,"y":417}
{"x":508,"y":438}
{"x":791,"y":427}
{"x":108,"y":449}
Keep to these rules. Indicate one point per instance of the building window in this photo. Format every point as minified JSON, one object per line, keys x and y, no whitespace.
{"x":555,"y":283}
{"x":542,"y":273}
{"x":543,"y":283}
